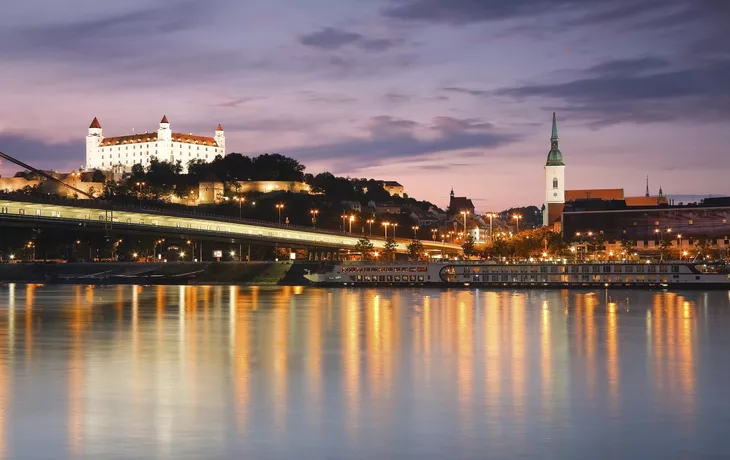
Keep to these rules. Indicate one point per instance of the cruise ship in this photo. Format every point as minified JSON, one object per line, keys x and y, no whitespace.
{"x":669,"y":274}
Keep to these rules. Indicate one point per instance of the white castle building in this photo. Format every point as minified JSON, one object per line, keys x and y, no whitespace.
{"x":124,"y":151}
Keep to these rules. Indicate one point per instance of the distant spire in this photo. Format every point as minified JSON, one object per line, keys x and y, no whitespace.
{"x":661,"y":192}
{"x":647,"y":186}
{"x":219,"y":127}
{"x":555,"y":157}
{"x":95,"y":124}
{"x":555,"y":129}
{"x":164,"y":119}
{"x":452,"y":191}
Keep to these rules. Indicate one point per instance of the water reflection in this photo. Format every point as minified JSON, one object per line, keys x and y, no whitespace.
{"x":231,"y":371}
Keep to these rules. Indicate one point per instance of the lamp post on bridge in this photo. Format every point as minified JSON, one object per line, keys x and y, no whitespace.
{"x":314,"y":213}
{"x":279,"y":207}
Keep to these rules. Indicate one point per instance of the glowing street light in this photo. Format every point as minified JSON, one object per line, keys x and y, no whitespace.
{"x":279,"y":207}
{"x":395,"y":227}
{"x":241,"y":200}
{"x":491,"y":216}
{"x":517,"y":218}
{"x":385,"y":227}
{"x":464,"y":213}
{"x":370,"y":222}
{"x":415,"y":231}
{"x":314,"y":213}
{"x":434,"y":232}
{"x":351,"y":219}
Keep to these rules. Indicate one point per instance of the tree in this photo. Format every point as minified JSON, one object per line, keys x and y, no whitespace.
{"x":665,"y":248}
{"x":628,"y":246}
{"x":704,"y":247}
{"x":390,"y":247}
{"x":415,"y":250}
{"x":468,"y":246}
{"x":365,"y":247}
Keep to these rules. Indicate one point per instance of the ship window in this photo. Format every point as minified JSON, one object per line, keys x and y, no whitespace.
{"x":606,"y":269}
{"x":675,"y":268}
{"x":596,"y":269}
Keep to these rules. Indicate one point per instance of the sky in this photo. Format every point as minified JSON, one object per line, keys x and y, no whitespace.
{"x":431,"y":93}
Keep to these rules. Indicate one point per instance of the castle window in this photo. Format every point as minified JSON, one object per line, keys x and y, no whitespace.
{"x":555,"y":183}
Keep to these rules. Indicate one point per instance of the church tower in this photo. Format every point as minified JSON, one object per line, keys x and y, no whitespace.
{"x":554,"y":180}
{"x":220,"y":138}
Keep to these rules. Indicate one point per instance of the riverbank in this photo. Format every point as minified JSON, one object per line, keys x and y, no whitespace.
{"x":243,"y":273}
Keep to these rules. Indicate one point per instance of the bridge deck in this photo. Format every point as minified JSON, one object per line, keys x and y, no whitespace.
{"x":65,"y":212}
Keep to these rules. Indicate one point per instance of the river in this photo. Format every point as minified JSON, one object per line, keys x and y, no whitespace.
{"x":318,"y":373}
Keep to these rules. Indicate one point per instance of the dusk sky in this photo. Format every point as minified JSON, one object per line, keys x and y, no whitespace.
{"x":431,"y":93}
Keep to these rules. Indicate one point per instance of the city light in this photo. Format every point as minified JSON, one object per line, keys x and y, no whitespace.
{"x":134,"y":255}
{"x":182,"y":254}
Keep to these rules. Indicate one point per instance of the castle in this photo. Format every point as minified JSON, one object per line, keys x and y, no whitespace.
{"x":106,"y":153}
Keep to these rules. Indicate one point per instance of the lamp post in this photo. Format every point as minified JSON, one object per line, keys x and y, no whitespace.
{"x":465,"y":214}
{"x":433,"y":234}
{"x":679,"y":241}
{"x":314,"y":213}
{"x":385,"y":227}
{"x":344,"y":216}
{"x":139,"y":192}
{"x":395,"y":227}
{"x":370,"y":222}
{"x":351,"y":219}
{"x":279,"y":207}
{"x":415,"y":231}
{"x":240,"y":205}
{"x":517,"y":218}
{"x":491,"y":216}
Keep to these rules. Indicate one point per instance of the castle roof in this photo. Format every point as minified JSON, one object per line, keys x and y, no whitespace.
{"x":95,"y":124}
{"x":219,"y":127}
{"x":164,"y":119}
{"x":152,"y":137}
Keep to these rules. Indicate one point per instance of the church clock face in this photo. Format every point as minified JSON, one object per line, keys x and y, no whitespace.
{"x":555,"y":194}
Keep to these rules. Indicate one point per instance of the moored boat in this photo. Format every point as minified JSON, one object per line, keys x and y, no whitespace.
{"x":668,"y":274}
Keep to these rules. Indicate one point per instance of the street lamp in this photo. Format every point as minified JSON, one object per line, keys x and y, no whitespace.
{"x":395,"y":227}
{"x":240,"y":200}
{"x":385,"y":226}
{"x":139,"y":192}
{"x":344,"y":216}
{"x":370,"y":222}
{"x":517,"y":218}
{"x":415,"y":231}
{"x":464,"y":213}
{"x":434,"y":232}
{"x":314,"y":213}
{"x":491,"y":216}
{"x":279,"y":207}
{"x":351,"y":219}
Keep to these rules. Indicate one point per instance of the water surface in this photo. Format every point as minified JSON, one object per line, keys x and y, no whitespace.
{"x":283,"y":372}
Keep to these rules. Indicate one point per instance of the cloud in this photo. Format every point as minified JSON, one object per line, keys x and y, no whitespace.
{"x":629,"y":66}
{"x":330,"y":38}
{"x":39,"y":154}
{"x":385,"y":138}
{"x":630,"y":94}
{"x":467,"y":91}
{"x":473,"y":11}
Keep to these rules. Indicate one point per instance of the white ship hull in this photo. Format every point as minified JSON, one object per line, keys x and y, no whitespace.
{"x":559,"y":275}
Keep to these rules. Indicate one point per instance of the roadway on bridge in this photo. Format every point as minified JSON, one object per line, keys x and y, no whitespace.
{"x":23,"y":212}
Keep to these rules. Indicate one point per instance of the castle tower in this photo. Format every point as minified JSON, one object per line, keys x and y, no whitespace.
{"x":163,"y":133}
{"x":554,"y":180}
{"x":220,"y":138}
{"x":93,"y":139}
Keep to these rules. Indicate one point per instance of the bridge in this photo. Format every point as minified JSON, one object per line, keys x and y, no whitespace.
{"x":90,"y":215}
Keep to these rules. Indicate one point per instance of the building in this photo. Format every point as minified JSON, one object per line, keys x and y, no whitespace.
{"x":647,"y":226}
{"x":556,"y":196}
{"x":554,"y":180}
{"x":457,"y":204}
{"x":394,"y":188}
{"x":355,"y":206}
{"x":108,"y":152}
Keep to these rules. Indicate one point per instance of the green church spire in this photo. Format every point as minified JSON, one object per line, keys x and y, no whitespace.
{"x":555,"y":158}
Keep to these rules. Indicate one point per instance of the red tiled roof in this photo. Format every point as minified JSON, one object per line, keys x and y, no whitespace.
{"x":164,"y":119}
{"x":95,"y":124}
{"x":219,"y":127}
{"x":152,"y":137}
{"x":603,"y":194}
{"x":461,"y":203}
